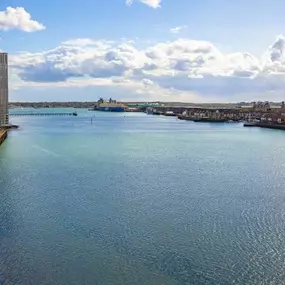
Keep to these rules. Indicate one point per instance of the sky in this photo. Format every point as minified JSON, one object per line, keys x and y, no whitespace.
{"x":144,"y":50}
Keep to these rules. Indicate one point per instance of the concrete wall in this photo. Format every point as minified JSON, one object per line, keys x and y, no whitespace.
{"x":3,"y":135}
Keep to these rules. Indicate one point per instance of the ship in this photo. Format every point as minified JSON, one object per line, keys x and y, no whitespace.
{"x":149,"y":110}
{"x":108,"y":106}
{"x":111,"y":107}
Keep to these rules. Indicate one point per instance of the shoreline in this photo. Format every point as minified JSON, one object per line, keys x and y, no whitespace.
{"x":271,"y":126}
{"x":179,"y":116}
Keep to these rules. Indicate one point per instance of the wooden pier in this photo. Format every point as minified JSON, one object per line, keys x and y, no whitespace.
{"x":41,"y":114}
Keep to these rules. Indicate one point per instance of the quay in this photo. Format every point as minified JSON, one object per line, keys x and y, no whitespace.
{"x":209,"y":120}
{"x":271,"y":126}
{"x":3,"y":136}
{"x":266,"y":125}
{"x":258,"y":114}
{"x":42,"y":114}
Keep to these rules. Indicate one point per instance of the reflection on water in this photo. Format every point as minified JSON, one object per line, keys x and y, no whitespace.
{"x":136,"y":199}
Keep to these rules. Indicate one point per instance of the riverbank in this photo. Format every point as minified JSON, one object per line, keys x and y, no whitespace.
{"x":3,"y":136}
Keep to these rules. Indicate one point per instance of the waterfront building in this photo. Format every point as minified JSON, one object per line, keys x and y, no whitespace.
{"x":246,"y":108}
{"x":4,"y":115}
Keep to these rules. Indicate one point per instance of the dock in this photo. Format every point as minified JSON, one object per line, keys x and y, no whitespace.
{"x":271,"y":126}
{"x":274,"y":126}
{"x":209,"y":120}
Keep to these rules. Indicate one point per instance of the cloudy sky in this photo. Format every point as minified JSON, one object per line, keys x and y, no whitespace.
{"x":169,"y":50}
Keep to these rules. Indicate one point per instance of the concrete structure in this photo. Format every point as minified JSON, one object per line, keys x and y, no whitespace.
{"x":4,"y":115}
{"x":3,"y":136}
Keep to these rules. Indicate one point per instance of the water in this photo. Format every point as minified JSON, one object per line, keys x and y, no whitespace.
{"x":137,"y":199}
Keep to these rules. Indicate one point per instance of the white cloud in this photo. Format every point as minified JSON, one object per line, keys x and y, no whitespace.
{"x":177,"y":30}
{"x":18,"y":18}
{"x":184,"y":66}
{"x":151,"y":3}
{"x":147,"y":82}
{"x":79,"y":42}
{"x":274,"y":58}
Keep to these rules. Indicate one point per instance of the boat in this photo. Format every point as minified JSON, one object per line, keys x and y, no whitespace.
{"x":249,"y":124}
{"x":109,"y":106}
{"x":170,"y":114}
{"x":149,"y":110}
{"x":156,"y":112}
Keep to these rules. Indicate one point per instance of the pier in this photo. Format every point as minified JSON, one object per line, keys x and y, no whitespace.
{"x":275,"y":126}
{"x":42,"y":114}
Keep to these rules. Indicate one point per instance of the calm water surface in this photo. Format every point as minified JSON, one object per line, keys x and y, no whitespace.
{"x":137,"y":199}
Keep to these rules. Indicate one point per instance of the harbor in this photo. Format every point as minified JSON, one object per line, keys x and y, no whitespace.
{"x":257,"y":114}
{"x":131,"y":177}
{"x":142,"y":142}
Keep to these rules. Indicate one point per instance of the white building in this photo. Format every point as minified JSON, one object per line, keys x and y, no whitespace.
{"x":4,"y":116}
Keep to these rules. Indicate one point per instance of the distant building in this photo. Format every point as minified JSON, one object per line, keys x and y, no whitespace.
{"x":4,"y":115}
{"x":246,"y":108}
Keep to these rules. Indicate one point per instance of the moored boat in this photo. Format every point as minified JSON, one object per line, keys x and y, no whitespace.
{"x":170,"y":114}
{"x":149,"y":110}
{"x":249,"y":124}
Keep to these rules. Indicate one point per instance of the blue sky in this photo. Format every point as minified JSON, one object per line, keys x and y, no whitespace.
{"x":206,"y":50}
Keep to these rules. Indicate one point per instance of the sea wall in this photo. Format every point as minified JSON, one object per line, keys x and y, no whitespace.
{"x":3,"y":136}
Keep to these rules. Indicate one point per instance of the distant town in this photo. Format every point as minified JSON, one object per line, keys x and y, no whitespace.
{"x":91,"y":104}
{"x":252,"y":114}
